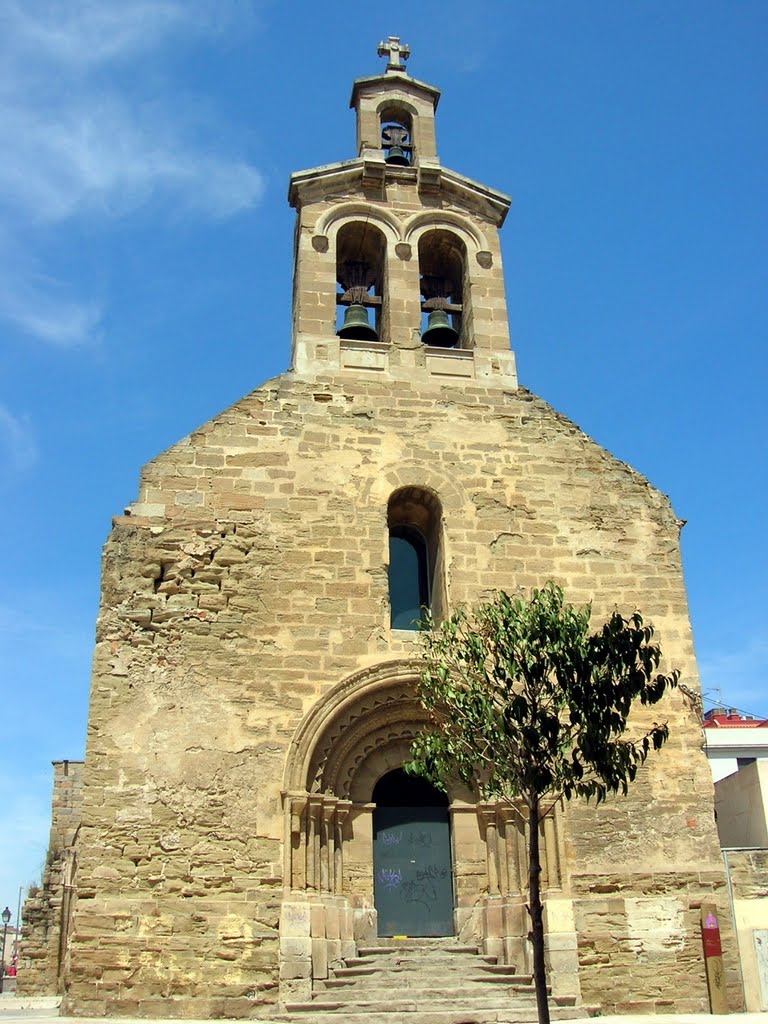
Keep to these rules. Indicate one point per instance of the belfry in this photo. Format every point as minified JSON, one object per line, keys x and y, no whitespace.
{"x":247,"y":833}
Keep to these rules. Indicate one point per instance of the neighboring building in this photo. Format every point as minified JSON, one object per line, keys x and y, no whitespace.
{"x":733,"y":741}
{"x":48,"y":908}
{"x":737,"y":749}
{"x":741,"y":807}
{"x":748,"y":884}
{"x":253,"y":698}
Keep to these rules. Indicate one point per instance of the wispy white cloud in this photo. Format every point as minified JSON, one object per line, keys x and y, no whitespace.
{"x":92,"y":32}
{"x":18,"y":449}
{"x":737,"y":678}
{"x":83,"y":34}
{"x":81,"y":141}
{"x":42,"y":306}
{"x":99,"y":155}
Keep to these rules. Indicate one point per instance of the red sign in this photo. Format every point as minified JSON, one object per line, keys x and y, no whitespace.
{"x":711,"y":935}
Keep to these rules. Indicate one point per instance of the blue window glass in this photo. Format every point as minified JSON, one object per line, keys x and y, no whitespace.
{"x":408,"y":577}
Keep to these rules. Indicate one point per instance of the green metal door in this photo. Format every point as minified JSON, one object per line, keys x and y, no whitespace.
{"x":413,"y":886}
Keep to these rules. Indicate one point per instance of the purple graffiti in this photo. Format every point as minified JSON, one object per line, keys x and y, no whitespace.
{"x":391,"y":838}
{"x":390,"y":878}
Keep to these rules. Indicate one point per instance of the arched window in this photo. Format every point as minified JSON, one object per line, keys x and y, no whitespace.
{"x":416,"y":576}
{"x":442,"y":271}
{"x":360,"y":270}
{"x":408,"y":576}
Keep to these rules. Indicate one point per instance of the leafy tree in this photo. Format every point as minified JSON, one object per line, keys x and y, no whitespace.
{"x":526,"y":704}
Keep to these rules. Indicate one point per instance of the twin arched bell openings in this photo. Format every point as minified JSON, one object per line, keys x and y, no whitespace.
{"x":416,"y":571}
{"x":361,"y":274}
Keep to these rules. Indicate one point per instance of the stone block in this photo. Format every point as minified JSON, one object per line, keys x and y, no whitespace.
{"x":559,"y":916}
{"x":332,"y":922}
{"x":317,"y":920}
{"x":294,"y":948}
{"x":295,"y":919}
{"x":365,"y":925}
{"x":493,"y":917}
{"x":319,"y":958}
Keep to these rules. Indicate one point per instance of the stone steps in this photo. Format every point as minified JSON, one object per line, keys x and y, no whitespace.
{"x":434,"y":998}
{"x":486,"y":996}
{"x":430,"y":982}
{"x":310,"y":1013}
{"x":334,"y":990}
{"x":409,"y":979}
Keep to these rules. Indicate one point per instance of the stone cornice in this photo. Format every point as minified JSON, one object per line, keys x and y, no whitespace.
{"x":392,"y":82}
{"x":371,"y":168}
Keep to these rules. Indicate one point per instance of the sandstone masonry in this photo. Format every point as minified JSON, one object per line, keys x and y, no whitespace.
{"x":249,"y":690}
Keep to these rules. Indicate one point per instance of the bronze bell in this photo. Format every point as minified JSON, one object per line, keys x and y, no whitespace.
{"x":356,"y":326}
{"x":439,"y":330}
{"x":397,"y":157}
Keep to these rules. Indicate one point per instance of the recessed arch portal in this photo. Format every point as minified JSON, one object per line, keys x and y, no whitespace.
{"x":360,"y":730}
{"x":355,"y":735}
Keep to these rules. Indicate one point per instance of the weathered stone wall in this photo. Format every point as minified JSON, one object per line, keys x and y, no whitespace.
{"x":250,"y":578}
{"x":748,"y":870}
{"x":47,"y":911}
{"x":638,"y":896}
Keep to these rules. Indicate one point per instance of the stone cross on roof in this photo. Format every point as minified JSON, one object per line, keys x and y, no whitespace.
{"x":394,"y":50}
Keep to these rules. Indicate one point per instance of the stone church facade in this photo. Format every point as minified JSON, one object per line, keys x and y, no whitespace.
{"x":250,"y":691}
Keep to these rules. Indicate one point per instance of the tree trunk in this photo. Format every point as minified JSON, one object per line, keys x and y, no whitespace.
{"x":535,"y":910}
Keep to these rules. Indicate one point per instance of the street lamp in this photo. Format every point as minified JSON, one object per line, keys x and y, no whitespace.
{"x":6,"y":915}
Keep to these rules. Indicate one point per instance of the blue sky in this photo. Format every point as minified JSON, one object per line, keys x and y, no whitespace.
{"x":145,"y":261}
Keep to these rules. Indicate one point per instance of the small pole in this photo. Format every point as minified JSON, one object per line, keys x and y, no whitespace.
{"x":18,"y":926}
{"x":6,"y":919}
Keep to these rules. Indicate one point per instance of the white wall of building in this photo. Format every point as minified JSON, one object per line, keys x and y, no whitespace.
{"x":724,"y":746}
{"x":741,"y":807}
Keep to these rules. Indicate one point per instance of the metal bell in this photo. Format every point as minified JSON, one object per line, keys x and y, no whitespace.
{"x":398,"y":157}
{"x":356,"y":326}
{"x":439,"y":330}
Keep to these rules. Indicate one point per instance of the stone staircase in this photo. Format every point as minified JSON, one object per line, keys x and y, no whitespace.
{"x":425,"y":982}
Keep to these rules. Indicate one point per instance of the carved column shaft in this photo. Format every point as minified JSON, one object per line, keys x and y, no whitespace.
{"x":488,"y":818}
{"x":327,"y":843}
{"x":314,"y":816}
{"x":550,"y":848}
{"x":296,"y":863}
{"x":343,"y":808}
{"x":508,"y":850}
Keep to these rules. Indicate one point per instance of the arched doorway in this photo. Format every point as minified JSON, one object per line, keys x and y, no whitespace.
{"x":343,"y":789}
{"x":413,"y":886}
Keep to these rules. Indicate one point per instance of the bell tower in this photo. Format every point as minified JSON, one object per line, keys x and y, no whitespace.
{"x":397,"y":264}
